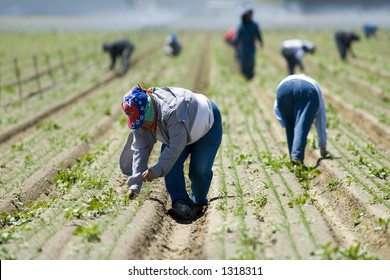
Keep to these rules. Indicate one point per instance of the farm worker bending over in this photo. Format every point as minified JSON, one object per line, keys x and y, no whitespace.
{"x":121,"y":48}
{"x":172,"y":45}
{"x":187,"y":124}
{"x":247,"y":33}
{"x":369,"y":29}
{"x":298,"y":104}
{"x":344,"y":41}
{"x":293,"y":51}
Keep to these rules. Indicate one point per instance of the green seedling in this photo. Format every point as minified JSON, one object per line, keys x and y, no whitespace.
{"x":334,"y":183}
{"x":48,"y":125}
{"x":95,"y":206}
{"x":17,"y":147}
{"x":299,"y":200}
{"x":358,"y":217}
{"x":329,"y":252}
{"x":383,"y":224}
{"x":384,"y":118}
{"x":27,"y":161}
{"x":245,"y":159}
{"x":259,"y":201}
{"x":90,"y":234}
{"x":107,"y":111}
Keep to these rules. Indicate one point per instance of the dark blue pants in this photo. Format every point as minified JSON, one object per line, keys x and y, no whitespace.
{"x":298,"y":105}
{"x":246,"y":56}
{"x":341,"y":48}
{"x":202,"y":153}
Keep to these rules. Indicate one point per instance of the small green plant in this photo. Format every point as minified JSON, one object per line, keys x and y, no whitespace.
{"x":17,"y":147}
{"x":358,"y":217}
{"x":27,"y":161}
{"x":352,"y":148}
{"x":329,"y":252}
{"x":384,"y":118}
{"x":303,"y":173}
{"x":96,"y":206}
{"x":90,"y":234}
{"x":334,"y":183}
{"x":259,"y":201}
{"x":245,"y":159}
{"x":107,"y":111}
{"x":48,"y":125}
{"x":298,"y":200}
{"x":383,"y":224}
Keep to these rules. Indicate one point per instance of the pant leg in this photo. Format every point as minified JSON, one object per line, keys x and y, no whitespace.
{"x":125,"y":59}
{"x":285,"y":101}
{"x":175,"y":181}
{"x":203,"y":154}
{"x":306,"y":106}
{"x":248,"y":62}
{"x":341,"y":48}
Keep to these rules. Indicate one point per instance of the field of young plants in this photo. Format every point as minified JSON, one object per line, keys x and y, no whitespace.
{"x":62,"y":130}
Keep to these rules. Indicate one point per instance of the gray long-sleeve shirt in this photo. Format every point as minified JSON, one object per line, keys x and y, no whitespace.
{"x":177,"y":111}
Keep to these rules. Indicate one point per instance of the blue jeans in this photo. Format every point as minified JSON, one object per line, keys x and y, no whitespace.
{"x":292,"y":61}
{"x":246,"y":55}
{"x":202,"y":153}
{"x":342,"y":49}
{"x":298,"y":105}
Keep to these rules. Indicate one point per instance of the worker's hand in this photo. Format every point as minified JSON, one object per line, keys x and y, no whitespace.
{"x":324,"y":152}
{"x":148,"y":176}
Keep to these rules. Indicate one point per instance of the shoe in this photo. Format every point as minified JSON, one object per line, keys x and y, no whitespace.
{"x":180,"y":211}
{"x":196,"y":211}
{"x":296,"y":161}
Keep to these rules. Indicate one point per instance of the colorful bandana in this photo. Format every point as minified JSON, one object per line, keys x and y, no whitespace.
{"x":134,"y":105}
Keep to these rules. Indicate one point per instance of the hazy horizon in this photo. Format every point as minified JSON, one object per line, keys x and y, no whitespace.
{"x":25,"y":15}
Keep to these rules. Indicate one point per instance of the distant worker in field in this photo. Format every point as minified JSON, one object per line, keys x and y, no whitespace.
{"x":188,"y":125}
{"x":122,"y":49}
{"x":369,"y":30}
{"x":247,"y":33}
{"x":172,"y":45}
{"x":293,"y":51}
{"x":344,"y":40}
{"x":298,"y":104}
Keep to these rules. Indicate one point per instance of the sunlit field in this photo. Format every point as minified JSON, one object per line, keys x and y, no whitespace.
{"x":62,"y":130}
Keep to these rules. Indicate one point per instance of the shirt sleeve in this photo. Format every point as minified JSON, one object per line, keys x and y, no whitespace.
{"x":320,"y":122}
{"x":278,"y":115}
{"x":142,"y":146}
{"x":177,"y":141}
{"x":258,"y":34}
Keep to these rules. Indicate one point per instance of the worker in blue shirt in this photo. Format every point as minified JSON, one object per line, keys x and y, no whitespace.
{"x":247,"y":33}
{"x":369,"y":29}
{"x":298,"y":104}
